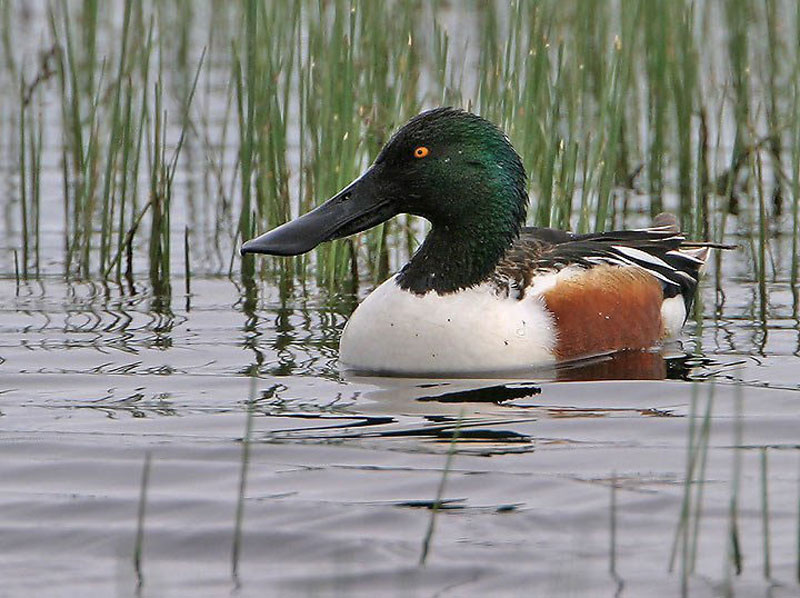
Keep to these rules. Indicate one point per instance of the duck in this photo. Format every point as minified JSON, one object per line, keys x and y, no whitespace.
{"x":484,"y":293}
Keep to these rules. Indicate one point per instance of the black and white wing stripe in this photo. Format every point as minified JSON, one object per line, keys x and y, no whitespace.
{"x":662,"y":252}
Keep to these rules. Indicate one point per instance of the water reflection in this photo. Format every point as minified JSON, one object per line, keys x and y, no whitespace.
{"x":296,"y":331}
{"x":497,"y":393}
{"x":544,"y":453}
{"x":624,"y":365}
{"x":248,"y":304}
{"x":654,"y":364}
{"x":137,"y":405}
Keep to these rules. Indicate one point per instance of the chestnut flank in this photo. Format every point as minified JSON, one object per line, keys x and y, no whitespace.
{"x":605,"y":309}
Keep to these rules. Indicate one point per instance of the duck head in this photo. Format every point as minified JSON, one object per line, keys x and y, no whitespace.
{"x":454,"y":168}
{"x":446,"y":165}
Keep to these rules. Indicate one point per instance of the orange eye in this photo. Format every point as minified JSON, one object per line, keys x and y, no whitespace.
{"x":421,"y":152}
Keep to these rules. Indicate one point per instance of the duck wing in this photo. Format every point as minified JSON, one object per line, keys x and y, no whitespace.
{"x":663,"y":252}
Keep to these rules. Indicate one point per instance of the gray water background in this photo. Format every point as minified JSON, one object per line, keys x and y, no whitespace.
{"x":573,"y":488}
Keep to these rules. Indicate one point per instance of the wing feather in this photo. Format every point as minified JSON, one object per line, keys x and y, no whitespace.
{"x":662,"y":252}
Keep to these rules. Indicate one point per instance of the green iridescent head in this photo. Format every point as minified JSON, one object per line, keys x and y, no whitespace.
{"x":448,"y":166}
{"x":454,"y":168}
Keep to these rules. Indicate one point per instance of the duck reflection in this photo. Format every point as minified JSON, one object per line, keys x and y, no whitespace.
{"x":626,"y":365}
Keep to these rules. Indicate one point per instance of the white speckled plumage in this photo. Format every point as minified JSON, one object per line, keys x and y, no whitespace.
{"x":673,"y":315}
{"x":474,"y":331}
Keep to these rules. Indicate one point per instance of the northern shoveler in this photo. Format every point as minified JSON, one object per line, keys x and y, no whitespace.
{"x":483,"y":293}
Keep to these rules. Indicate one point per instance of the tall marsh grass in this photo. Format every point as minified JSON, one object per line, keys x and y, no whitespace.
{"x":226,"y":119}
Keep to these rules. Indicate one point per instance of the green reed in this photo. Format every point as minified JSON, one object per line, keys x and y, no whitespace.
{"x":572,"y":114}
{"x":106,"y":117}
{"x":797,"y":545}
{"x":7,"y":28}
{"x":612,"y":527}
{"x":795,"y":182}
{"x":682,"y":531}
{"x":23,"y":184}
{"x":619,"y":110}
{"x":437,"y":503}
{"x":236,"y":549}
{"x":733,"y":557}
{"x":162,"y":174}
{"x":138,"y":548}
{"x":767,"y":569}
{"x":687,"y":531}
{"x":656,"y":44}
{"x":688,"y":526}
{"x":116,"y":139}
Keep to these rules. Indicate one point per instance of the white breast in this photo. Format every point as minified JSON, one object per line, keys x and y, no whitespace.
{"x":673,"y":315}
{"x":472,"y":331}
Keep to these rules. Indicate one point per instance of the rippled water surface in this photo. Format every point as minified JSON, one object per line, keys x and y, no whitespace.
{"x":568,"y":487}
{"x":646,"y":474}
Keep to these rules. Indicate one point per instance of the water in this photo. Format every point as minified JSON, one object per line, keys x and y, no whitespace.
{"x":342,"y":472}
{"x":564,"y":483}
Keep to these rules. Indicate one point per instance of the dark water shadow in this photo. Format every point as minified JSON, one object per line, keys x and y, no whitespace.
{"x":623,"y":365}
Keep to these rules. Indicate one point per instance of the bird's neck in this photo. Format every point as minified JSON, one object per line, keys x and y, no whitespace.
{"x":453,"y":258}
